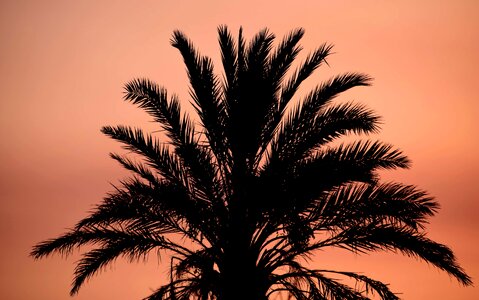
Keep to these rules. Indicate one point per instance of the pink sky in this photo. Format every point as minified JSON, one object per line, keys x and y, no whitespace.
{"x":63,"y":65}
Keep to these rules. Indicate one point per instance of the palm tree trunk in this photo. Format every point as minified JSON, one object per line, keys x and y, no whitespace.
{"x":240,"y":278}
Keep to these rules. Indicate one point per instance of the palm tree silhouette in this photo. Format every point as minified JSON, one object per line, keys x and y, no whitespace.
{"x":257,"y":186}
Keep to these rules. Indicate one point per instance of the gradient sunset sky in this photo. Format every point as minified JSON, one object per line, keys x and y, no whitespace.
{"x":62,"y":69}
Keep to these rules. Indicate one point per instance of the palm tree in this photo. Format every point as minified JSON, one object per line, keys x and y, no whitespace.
{"x":261,"y":183}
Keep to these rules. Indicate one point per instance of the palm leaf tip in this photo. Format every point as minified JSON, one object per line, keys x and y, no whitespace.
{"x":41,"y":250}
{"x":62,"y":245}
{"x":463,"y":278}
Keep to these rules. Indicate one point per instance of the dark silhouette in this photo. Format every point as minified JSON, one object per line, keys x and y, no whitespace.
{"x":257,"y":186}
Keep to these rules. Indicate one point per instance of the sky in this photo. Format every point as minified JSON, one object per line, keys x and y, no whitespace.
{"x":63,"y":65}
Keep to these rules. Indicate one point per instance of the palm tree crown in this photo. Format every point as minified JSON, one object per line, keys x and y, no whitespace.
{"x":261,"y":183}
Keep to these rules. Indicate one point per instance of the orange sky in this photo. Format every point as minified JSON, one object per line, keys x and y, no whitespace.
{"x":63,"y":65}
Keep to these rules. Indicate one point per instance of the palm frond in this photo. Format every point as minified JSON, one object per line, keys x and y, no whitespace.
{"x":206,"y":95}
{"x":390,"y":203}
{"x":284,"y":55}
{"x":154,"y":100}
{"x":279,"y":63}
{"x":258,"y":51}
{"x":371,"y":286}
{"x":158,"y":157}
{"x":253,"y":99}
{"x":311,"y":124}
{"x":137,"y":168}
{"x":133,"y":245}
{"x":312,"y":284}
{"x":329,"y":90}
{"x":163,"y":208}
{"x":378,"y":236}
{"x":199,"y":169}
{"x":307,"y":180}
{"x":229,"y":59}
{"x":180,"y":289}
{"x":66,"y":243}
{"x":312,"y":62}
{"x":179,"y":129}
{"x":329,"y":125}
{"x":196,"y":160}
{"x":112,"y":244}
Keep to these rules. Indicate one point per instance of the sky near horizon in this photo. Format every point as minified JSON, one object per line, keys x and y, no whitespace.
{"x":63,"y":65}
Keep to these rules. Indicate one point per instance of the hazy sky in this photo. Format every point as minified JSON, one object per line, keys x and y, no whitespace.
{"x":62,"y":69}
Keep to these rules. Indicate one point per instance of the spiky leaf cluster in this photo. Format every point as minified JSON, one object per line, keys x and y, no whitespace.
{"x":262,"y":181}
